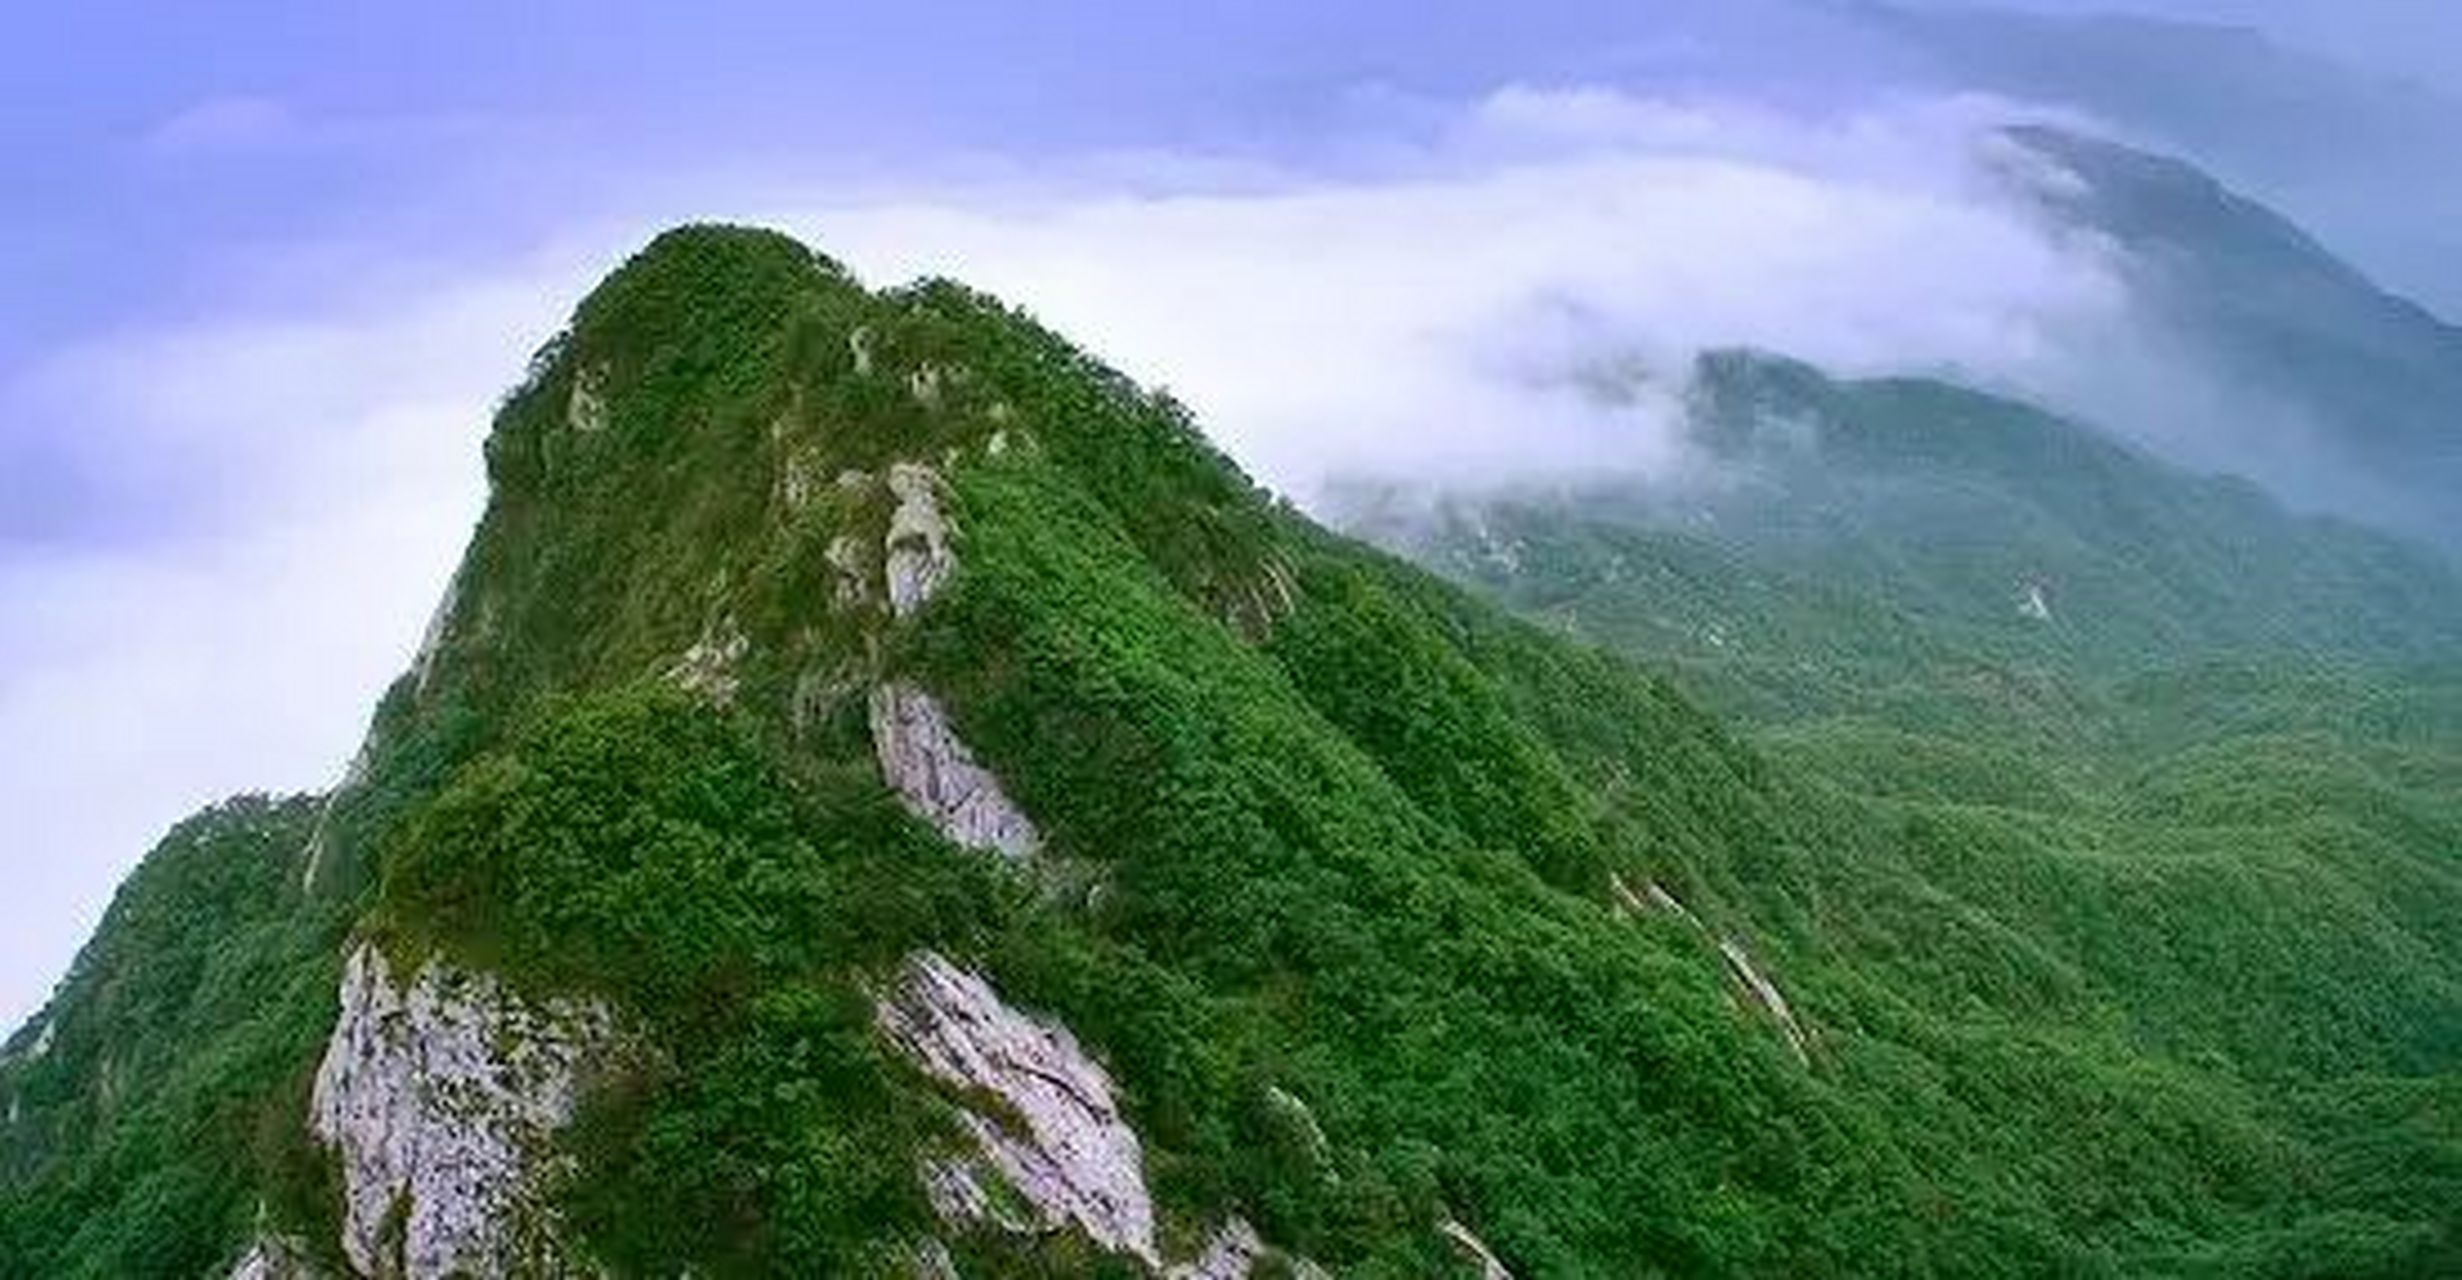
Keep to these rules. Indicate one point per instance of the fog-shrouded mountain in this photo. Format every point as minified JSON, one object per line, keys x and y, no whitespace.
{"x":1887,"y":527}
{"x":2339,"y":115}
{"x":2322,"y":384}
{"x":884,"y":796}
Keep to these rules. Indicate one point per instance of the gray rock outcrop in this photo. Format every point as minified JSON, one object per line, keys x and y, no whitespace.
{"x":1766,"y":994}
{"x":1061,"y":1144}
{"x":922,"y":759}
{"x":1070,"y":1156}
{"x":1755,"y":985}
{"x":441,"y":1098}
{"x":708,"y":667}
{"x":1474,"y":1250}
{"x":273,"y":1258}
{"x":917,"y":559}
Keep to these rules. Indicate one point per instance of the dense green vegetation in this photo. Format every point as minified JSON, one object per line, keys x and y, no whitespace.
{"x":2107,"y":966}
{"x":637,"y":847}
{"x":2212,"y":789}
{"x":165,"y":1108}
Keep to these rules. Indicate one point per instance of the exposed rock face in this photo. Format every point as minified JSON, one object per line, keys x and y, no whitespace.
{"x":1653,"y":896}
{"x":708,"y":667}
{"x":1748,"y":977}
{"x":1076,"y":1161}
{"x":1665,"y":901}
{"x":586,"y":411}
{"x":932,"y":771}
{"x":1476,"y":1250}
{"x":850,"y":572}
{"x":1292,"y":1112}
{"x":931,"y":1261}
{"x":441,"y":1098}
{"x":921,"y":756}
{"x":957,"y":1193}
{"x":917,"y":556}
{"x":1270,"y":596}
{"x":1766,"y":994}
{"x":319,"y":837}
{"x":1626,"y":900}
{"x":799,"y":480}
{"x":272,"y":1258}
{"x":1232,"y":1254}
{"x":432,"y":640}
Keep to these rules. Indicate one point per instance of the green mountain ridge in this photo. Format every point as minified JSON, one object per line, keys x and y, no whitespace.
{"x":1407,"y":934}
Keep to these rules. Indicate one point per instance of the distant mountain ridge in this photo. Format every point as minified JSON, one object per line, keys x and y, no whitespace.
{"x":2344,"y":394}
{"x":1949,"y":521}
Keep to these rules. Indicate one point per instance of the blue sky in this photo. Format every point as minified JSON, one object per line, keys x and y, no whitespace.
{"x":265,"y":267}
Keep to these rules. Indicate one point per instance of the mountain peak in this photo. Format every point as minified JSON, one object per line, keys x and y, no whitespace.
{"x":690,"y":290}
{"x":712,"y":474}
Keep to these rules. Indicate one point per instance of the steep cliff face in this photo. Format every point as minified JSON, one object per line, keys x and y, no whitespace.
{"x":1051,"y":1149}
{"x":1058,"y":1140}
{"x":441,"y":1095}
{"x":925,"y":762}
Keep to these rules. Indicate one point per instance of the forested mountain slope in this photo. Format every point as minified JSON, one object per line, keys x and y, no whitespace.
{"x":1843,"y":537}
{"x":884,"y":796}
{"x":2197,"y":752}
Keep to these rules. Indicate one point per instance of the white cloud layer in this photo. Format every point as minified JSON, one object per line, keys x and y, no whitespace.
{"x":1430,"y":311}
{"x":141,"y":679}
{"x":1437,"y":318}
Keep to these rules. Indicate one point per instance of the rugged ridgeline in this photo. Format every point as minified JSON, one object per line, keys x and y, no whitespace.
{"x":885,"y":797}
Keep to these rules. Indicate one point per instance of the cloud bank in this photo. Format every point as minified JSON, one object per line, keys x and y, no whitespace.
{"x":264,"y":508}
{"x":1443,"y":314}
